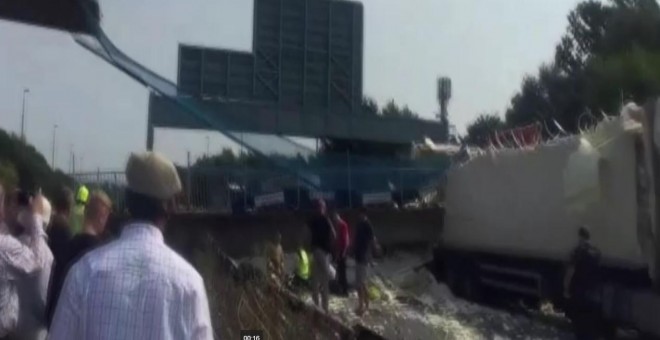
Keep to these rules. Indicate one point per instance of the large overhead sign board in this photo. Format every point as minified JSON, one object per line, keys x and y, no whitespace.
{"x":306,"y":53}
{"x":215,"y":74}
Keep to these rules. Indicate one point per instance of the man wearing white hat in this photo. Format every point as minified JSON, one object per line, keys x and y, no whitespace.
{"x":136,"y":287}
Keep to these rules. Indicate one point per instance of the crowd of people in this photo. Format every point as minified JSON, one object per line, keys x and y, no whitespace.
{"x":328,"y":242}
{"x":62,"y":278}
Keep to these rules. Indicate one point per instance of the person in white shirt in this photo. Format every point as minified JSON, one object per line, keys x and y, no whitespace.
{"x":26,"y":223}
{"x":16,"y":262}
{"x":136,"y":287}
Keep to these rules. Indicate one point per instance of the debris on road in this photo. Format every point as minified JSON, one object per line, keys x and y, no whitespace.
{"x":414,"y":306}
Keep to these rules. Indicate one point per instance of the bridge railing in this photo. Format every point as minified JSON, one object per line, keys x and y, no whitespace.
{"x":236,"y":189}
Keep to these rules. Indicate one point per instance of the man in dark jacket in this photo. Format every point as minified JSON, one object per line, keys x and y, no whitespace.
{"x":96,"y":217}
{"x":322,"y":243}
{"x":365,"y":243}
{"x":59,"y":233}
{"x":580,"y":286}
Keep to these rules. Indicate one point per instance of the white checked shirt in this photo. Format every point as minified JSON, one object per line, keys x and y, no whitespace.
{"x":32,"y":289}
{"x":135,"y":288}
{"x":16,"y":260}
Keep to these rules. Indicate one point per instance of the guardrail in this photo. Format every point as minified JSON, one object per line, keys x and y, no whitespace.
{"x":236,"y":189}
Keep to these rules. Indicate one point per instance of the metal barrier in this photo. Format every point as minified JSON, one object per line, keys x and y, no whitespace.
{"x":112,"y":183}
{"x":239,"y":189}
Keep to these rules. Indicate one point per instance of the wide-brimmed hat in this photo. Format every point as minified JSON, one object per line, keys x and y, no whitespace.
{"x":153,"y":175}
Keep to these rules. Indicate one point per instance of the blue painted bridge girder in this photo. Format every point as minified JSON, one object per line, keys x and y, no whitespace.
{"x":275,"y":120}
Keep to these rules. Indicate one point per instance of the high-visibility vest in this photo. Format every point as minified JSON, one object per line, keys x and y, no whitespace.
{"x":303,"y":265}
{"x":83,"y":195}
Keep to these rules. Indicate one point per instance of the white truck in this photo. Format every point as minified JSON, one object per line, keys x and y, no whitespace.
{"x":512,"y":217}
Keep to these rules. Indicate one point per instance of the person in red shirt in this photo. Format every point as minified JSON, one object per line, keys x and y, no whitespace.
{"x":341,"y":229}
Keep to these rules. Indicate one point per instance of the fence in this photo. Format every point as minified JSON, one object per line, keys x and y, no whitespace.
{"x":236,"y":188}
{"x":112,"y":182}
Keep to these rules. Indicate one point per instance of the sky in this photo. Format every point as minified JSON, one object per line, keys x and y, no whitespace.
{"x":485,"y":46}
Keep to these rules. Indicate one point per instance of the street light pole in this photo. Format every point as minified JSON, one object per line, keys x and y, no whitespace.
{"x":25,"y":92}
{"x":52,"y":157}
{"x":71,"y":159}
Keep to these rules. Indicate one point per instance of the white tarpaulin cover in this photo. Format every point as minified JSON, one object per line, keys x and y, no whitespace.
{"x":514,"y":201}
{"x":581,"y":178}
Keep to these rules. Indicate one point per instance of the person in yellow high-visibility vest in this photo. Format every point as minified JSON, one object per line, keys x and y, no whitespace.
{"x":78,"y":213}
{"x":302,"y":269}
{"x":301,"y":275}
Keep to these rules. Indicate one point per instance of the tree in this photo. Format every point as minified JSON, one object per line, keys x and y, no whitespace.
{"x":228,"y":158}
{"x":8,"y":175}
{"x":584,"y":36}
{"x":482,"y":128}
{"x":407,"y":113}
{"x":369,"y":106}
{"x":635,"y":75}
{"x":21,"y":165}
{"x":392,"y":110}
{"x":610,"y":49}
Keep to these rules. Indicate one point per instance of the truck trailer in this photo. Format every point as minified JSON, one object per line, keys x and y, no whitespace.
{"x":512,"y":217}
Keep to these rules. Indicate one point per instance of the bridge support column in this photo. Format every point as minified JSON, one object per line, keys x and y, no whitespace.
{"x":150,"y":130}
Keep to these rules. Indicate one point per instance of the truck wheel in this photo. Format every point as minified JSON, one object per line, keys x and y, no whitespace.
{"x":454,"y":279}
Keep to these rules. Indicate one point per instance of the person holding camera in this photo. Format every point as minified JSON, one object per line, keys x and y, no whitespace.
{"x":25,"y":222}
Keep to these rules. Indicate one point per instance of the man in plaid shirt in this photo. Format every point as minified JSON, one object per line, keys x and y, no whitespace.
{"x":136,"y":288}
{"x":16,"y":261}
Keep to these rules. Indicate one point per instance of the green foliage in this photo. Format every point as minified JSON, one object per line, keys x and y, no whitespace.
{"x":392,"y":110}
{"x":481,"y":129}
{"x":8,"y":175}
{"x":228,"y":158}
{"x":636,"y":73}
{"x":609,"y":53}
{"x":339,"y":147}
{"x":369,"y":106}
{"x":31,"y":168}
